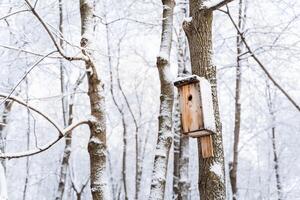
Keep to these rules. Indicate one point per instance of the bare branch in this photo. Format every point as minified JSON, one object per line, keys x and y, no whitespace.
{"x":32,"y":9}
{"x":125,"y":19}
{"x":27,"y":51}
{"x":14,"y":13}
{"x":23,"y":103}
{"x":25,"y":75}
{"x":216,"y":5}
{"x":260,"y":63}
{"x":46,"y":146}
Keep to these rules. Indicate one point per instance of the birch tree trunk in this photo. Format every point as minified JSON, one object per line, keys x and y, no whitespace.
{"x":164,"y":139}
{"x":276,"y":161}
{"x":181,"y":183}
{"x":3,"y":184}
{"x":7,"y":108}
{"x":97,"y":143}
{"x":199,"y":33}
{"x":274,"y":145}
{"x":3,"y":188}
{"x":233,"y":166}
{"x":67,"y":119}
{"x":27,"y":143}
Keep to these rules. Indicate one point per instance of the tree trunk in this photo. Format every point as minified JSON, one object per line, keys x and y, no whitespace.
{"x":164,"y":139}
{"x":276,"y":165}
{"x":120,"y":110}
{"x":181,"y":183}
{"x":199,"y":33}
{"x":7,"y":108}
{"x":4,"y":122}
{"x":237,"y":120}
{"x":97,"y":143}
{"x":27,"y":143}
{"x":274,"y":146}
{"x":67,"y":117}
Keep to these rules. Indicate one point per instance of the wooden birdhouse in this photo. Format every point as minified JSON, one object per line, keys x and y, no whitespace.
{"x":196,"y":107}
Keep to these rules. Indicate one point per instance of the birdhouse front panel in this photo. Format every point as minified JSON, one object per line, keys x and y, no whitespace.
{"x":191,"y":108}
{"x":197,"y":114}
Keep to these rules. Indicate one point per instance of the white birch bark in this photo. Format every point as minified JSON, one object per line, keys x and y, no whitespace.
{"x":164,"y":140}
{"x":27,"y":178}
{"x":67,"y":117}
{"x":3,"y":185}
{"x":274,"y":143}
{"x":4,"y":121}
{"x":97,"y":143}
{"x":181,"y":182}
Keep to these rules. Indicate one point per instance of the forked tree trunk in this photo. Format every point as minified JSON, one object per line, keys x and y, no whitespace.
{"x":199,"y":33}
{"x":97,"y":143}
{"x":181,"y":183}
{"x":120,"y":110}
{"x":164,"y":139}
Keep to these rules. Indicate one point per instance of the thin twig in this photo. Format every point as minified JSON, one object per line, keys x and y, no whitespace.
{"x":25,"y":75}
{"x":14,"y":13}
{"x":27,"y":51}
{"x":21,"y":102}
{"x":260,"y":63}
{"x":46,"y":146}
{"x":32,"y":9}
{"x":218,"y":5}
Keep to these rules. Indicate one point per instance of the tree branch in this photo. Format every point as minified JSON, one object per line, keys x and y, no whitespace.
{"x":215,"y":5}
{"x":23,"y":103}
{"x":11,"y":14}
{"x":46,"y":146}
{"x":24,"y":76}
{"x":29,"y":52}
{"x":260,"y":63}
{"x":32,"y":9}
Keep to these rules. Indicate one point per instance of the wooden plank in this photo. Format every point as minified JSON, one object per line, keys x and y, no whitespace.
{"x":192,"y":116}
{"x":200,"y":133}
{"x":191,"y":110}
{"x":207,"y":146}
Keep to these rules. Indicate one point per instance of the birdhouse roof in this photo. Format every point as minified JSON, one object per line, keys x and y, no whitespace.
{"x":181,"y":81}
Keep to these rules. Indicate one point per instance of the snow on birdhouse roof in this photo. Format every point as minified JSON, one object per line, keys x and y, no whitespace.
{"x":180,"y":81}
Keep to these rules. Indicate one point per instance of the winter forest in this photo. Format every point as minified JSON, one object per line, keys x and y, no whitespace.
{"x":149,"y":99}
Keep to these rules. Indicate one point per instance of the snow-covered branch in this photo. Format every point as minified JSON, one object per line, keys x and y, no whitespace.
{"x":260,"y":64}
{"x":25,"y":75}
{"x":59,"y":49}
{"x":215,"y":4}
{"x":14,"y":13}
{"x":28,"y":51}
{"x":23,"y":103}
{"x":46,"y":146}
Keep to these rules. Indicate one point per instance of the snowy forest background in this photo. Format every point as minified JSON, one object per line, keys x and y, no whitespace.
{"x":126,"y":44}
